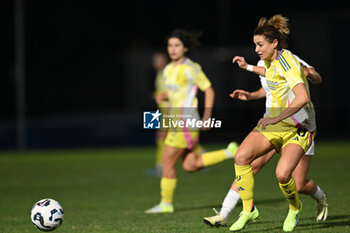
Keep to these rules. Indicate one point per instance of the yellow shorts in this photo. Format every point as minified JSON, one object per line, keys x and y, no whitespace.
{"x":282,"y":134}
{"x":182,"y":139}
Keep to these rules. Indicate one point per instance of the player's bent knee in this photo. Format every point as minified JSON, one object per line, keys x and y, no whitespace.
{"x":189,"y":167}
{"x":283,"y":177}
{"x":242,"y":158}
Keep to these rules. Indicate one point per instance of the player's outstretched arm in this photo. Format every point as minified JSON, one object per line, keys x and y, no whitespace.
{"x":245,"y":95}
{"x":245,"y":66}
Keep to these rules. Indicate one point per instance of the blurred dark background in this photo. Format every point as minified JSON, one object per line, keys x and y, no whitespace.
{"x":86,"y":74}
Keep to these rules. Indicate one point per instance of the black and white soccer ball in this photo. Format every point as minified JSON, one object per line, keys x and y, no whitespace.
{"x":47,"y":214}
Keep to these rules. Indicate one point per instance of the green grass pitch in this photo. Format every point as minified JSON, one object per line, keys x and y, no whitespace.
{"x":106,"y":191}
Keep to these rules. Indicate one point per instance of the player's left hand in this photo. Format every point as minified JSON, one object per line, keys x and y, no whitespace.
{"x":263,"y":122}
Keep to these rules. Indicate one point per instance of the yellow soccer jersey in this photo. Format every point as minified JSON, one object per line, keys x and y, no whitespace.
{"x":182,"y":81}
{"x":282,"y":75}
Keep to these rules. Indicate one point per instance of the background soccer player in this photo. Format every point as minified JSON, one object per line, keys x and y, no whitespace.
{"x":182,"y":79}
{"x":159,"y":61}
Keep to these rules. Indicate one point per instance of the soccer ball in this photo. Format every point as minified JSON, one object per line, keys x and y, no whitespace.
{"x":47,"y":214}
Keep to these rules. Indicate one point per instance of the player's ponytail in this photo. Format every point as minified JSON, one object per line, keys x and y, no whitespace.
{"x":281,"y":23}
{"x":274,"y":28}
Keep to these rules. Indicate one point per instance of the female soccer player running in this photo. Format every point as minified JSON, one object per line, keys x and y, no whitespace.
{"x":303,"y":184}
{"x":182,"y":79}
{"x":288,"y":126}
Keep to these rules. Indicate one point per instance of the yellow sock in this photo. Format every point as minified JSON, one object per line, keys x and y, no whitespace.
{"x":245,"y":184}
{"x":290,"y":192}
{"x":159,"y":153}
{"x":214,"y":157}
{"x":167,"y":189}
